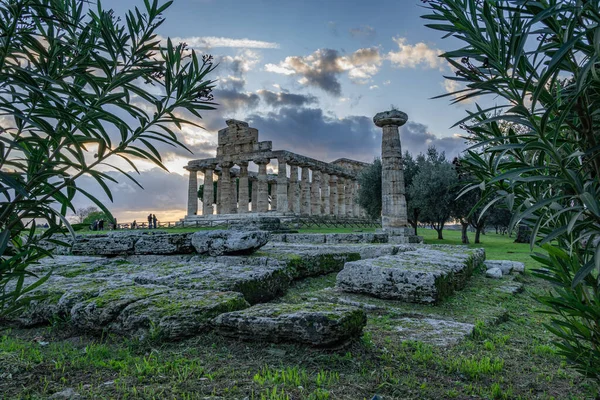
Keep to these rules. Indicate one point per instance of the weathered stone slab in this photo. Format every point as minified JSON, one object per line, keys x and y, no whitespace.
{"x":175,"y":314}
{"x":231,"y":242}
{"x":258,"y":283}
{"x":512,"y":288}
{"x":340,"y":238}
{"x":494,"y":273}
{"x":506,"y":266}
{"x":317,"y":324}
{"x":177,"y":243}
{"x":438,"y":332}
{"x":104,"y":245}
{"x":425,"y":275}
{"x":253,"y":223}
{"x":314,"y":238}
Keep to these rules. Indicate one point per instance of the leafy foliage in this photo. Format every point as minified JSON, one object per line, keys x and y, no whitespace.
{"x":540,"y":62}
{"x":80,"y":88}
{"x":432,"y":190}
{"x":369,"y":193}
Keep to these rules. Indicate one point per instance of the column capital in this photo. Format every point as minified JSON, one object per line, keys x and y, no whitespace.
{"x":390,"y":118}
{"x":226,"y":164}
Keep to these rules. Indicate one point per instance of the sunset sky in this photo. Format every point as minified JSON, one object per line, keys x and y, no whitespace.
{"x":309,"y":75}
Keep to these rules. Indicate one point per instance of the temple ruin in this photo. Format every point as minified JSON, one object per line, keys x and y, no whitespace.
{"x":308,"y":187}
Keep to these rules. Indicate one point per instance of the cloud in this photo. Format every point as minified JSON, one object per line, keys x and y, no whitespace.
{"x":372,"y":87}
{"x":412,"y":56}
{"x":308,"y":131}
{"x":363,"y":32}
{"x":241,"y":63}
{"x":416,"y":138}
{"x":209,"y":42}
{"x":231,"y":83}
{"x":385,"y":83}
{"x":282,"y":99}
{"x":323,"y":68}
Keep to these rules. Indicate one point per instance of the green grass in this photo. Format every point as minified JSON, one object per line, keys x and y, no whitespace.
{"x":510,"y":355}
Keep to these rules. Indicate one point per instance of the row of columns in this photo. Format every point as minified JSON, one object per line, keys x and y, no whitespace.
{"x":326,"y":194}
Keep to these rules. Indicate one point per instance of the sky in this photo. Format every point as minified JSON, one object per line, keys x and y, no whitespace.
{"x":310,"y":75}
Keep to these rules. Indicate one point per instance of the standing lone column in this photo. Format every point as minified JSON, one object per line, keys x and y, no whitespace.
{"x":263,"y":185}
{"x":208,"y":195}
{"x":193,"y":193}
{"x":243,"y":189}
{"x":305,"y":192}
{"x":282,"y":186}
{"x":294,"y":191}
{"x":315,"y":193}
{"x":393,"y":210}
{"x":227,"y":202}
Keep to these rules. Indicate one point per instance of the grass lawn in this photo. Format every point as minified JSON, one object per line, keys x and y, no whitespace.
{"x":509,"y":356}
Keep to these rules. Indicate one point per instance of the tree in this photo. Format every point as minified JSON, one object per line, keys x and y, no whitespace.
{"x":411,"y":168}
{"x":82,"y":213}
{"x":80,"y":88}
{"x":432,"y":190}
{"x":369,"y":192}
{"x":539,"y":62}
{"x":499,"y":218}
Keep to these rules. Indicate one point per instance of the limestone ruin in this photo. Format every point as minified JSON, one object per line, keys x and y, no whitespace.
{"x":324,"y":189}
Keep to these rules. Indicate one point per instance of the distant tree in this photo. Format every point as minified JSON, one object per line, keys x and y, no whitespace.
{"x":432,"y":190}
{"x":82,"y":213}
{"x":96,"y":216}
{"x":499,"y":218}
{"x":411,"y":168}
{"x":369,"y":193}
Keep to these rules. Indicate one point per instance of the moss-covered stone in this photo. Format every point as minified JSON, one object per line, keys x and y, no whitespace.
{"x":317,"y":324}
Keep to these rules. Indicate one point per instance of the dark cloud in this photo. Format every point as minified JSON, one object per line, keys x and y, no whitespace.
{"x":282,"y":99}
{"x":363,"y":32}
{"x":323,"y":68}
{"x":232,"y":100}
{"x":309,"y":132}
{"x":416,"y":138}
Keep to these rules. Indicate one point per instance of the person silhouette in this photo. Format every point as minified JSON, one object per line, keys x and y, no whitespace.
{"x":154,"y":220}
{"x":149,"y":221}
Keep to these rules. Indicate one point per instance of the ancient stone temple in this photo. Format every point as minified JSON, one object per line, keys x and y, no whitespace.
{"x":301,"y":186}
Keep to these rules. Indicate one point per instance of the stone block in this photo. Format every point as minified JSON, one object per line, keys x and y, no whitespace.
{"x":104,"y":245}
{"x":315,"y":238}
{"x":494,"y":273}
{"x":178,"y":243}
{"x":228,"y":242}
{"x":425,"y":275}
{"x":316,"y":324}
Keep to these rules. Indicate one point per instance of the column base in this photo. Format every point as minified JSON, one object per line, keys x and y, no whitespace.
{"x":401,"y":235}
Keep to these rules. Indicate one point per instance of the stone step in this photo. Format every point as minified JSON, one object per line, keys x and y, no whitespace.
{"x":425,"y":275}
{"x":316,"y":324}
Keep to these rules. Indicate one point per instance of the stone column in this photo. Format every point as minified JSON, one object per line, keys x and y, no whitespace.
{"x":227,"y":200}
{"x":208,"y":196}
{"x":294,"y":191}
{"x":218,"y":205}
{"x":234,"y":195}
{"x":263,"y":188}
{"x":349,"y":192}
{"x":315,"y":193}
{"x":243,"y":188}
{"x":254,"y":195}
{"x":325,"y":193}
{"x":333,"y":195}
{"x":273,"y":196}
{"x":355,"y":200}
{"x":393,"y":207}
{"x":341,"y":211}
{"x":282,"y":186}
{"x":305,"y":192}
{"x":193,"y":193}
